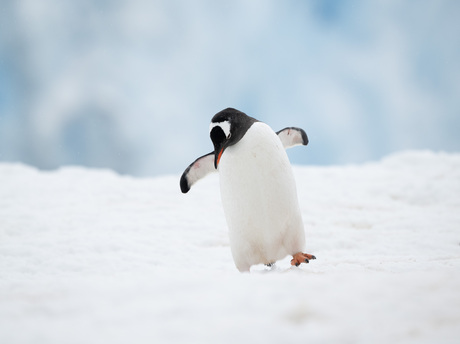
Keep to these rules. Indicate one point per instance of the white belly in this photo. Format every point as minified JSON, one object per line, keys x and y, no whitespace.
{"x":260,"y":199}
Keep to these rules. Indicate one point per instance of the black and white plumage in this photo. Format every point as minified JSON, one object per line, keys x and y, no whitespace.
{"x":257,"y":188}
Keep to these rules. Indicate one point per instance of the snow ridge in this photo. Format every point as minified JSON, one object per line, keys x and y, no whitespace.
{"x":92,"y":256}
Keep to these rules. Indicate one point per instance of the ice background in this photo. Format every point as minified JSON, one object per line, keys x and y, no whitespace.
{"x":132,"y":85}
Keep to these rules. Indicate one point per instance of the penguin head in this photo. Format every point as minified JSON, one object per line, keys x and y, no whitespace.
{"x":226,"y":129}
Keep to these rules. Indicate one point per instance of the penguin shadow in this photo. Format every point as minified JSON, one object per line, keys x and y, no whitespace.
{"x":276,"y":269}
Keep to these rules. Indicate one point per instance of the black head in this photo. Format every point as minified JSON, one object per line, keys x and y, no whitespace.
{"x":227,"y":128}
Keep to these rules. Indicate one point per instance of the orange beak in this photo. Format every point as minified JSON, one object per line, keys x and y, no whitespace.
{"x":217,"y":159}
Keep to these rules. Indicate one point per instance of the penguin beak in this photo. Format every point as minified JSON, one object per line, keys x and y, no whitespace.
{"x":218,"y":155}
{"x":219,"y":148}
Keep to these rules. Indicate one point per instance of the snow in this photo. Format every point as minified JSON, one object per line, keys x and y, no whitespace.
{"x":89,"y":256}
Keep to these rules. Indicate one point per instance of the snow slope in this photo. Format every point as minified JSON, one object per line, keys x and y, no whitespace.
{"x":88,"y":256}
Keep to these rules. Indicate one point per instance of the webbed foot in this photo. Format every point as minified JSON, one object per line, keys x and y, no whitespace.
{"x":300,"y":258}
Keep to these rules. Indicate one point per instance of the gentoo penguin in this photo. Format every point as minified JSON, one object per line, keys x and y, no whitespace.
{"x":257,"y":186}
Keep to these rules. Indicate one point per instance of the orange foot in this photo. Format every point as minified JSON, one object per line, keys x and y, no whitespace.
{"x":300,"y":258}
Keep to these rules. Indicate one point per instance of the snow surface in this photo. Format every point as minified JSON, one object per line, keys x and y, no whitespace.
{"x":89,"y":256}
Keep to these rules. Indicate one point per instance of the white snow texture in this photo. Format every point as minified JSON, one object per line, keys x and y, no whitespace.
{"x":89,"y":256}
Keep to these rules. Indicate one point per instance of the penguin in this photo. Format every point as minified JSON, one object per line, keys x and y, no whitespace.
{"x":258,"y":189}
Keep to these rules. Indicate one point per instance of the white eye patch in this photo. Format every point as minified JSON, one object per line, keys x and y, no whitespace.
{"x":225,"y":126}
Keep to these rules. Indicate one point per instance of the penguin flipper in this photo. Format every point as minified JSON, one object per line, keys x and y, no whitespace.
{"x":292,"y":136}
{"x":198,"y":169}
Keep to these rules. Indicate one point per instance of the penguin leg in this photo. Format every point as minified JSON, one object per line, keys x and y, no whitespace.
{"x":270,"y":265}
{"x":300,"y":258}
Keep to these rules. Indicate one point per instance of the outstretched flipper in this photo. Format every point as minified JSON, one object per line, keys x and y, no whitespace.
{"x":292,"y":136}
{"x":198,"y":169}
{"x":204,"y":165}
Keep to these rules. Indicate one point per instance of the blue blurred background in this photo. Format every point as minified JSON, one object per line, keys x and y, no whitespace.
{"x":132,"y":85}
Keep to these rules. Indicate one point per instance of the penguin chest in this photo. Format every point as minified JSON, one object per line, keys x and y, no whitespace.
{"x":259,"y":198}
